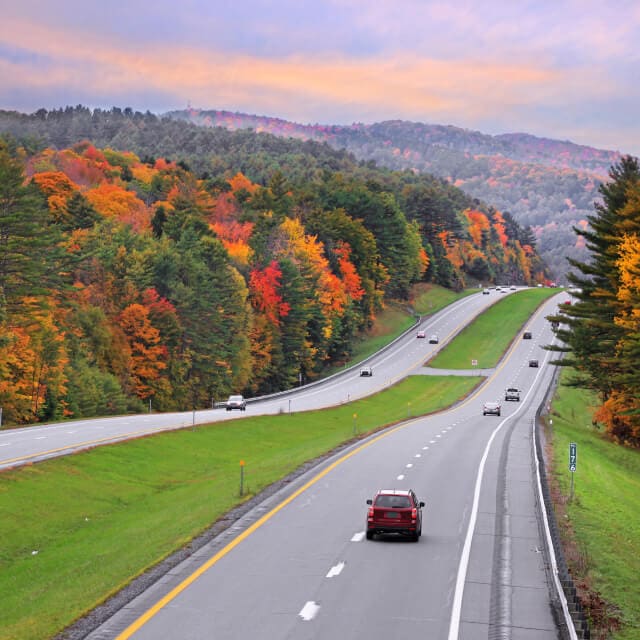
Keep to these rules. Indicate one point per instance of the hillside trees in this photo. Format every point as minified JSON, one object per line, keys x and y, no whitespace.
{"x":600,"y":331}
{"x":151,"y":287}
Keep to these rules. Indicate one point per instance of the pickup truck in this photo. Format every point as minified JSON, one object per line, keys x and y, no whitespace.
{"x":512,"y":393}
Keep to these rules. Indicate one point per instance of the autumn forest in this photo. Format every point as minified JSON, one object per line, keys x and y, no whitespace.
{"x":130,"y":279}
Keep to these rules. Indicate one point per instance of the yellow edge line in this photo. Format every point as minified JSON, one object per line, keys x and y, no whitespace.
{"x":145,"y":617}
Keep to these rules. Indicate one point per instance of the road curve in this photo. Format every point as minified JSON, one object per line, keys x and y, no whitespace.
{"x":299,"y":566}
{"x":406,"y":354}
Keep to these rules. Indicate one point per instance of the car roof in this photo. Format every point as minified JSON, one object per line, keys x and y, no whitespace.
{"x":394,"y":492}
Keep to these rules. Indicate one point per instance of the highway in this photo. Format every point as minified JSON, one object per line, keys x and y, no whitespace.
{"x":39,"y":442}
{"x":298,"y":566}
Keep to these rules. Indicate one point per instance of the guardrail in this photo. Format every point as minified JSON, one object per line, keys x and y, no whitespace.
{"x":569,"y":613}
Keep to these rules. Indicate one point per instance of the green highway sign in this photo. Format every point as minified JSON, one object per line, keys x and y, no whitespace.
{"x":573,"y":456}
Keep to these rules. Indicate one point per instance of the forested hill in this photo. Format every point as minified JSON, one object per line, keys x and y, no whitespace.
{"x":549,"y":185}
{"x":147,"y":260}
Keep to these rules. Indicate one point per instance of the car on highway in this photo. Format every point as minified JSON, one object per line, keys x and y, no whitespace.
{"x":533,"y":363}
{"x":236,"y":402}
{"x":434,"y":339}
{"x":486,"y":292}
{"x":512,"y":394}
{"x":421,"y":334}
{"x":526,"y":335}
{"x":366,"y":372}
{"x":395,"y":511}
{"x":491,"y":409}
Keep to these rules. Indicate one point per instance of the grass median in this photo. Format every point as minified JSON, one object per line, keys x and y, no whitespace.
{"x":76,"y":529}
{"x":488,"y":337}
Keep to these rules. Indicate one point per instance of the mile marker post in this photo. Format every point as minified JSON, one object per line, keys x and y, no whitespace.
{"x":573,"y":464}
{"x":241,"y":477}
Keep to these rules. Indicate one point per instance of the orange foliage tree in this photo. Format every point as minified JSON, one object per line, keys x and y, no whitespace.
{"x":113,"y":201}
{"x":147,"y":355}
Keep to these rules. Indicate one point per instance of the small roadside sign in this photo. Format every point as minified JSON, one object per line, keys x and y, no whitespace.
{"x":474,"y":363}
{"x":573,"y":456}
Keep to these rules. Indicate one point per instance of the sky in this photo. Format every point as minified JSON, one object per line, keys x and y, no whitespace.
{"x":564,"y":69}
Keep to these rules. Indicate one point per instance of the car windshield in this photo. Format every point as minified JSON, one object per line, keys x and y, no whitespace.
{"x":393,"y":502}
{"x":235,"y":399}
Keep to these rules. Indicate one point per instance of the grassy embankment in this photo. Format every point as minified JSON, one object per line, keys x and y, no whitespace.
{"x":601,"y":525}
{"x":486,"y":339}
{"x":76,"y":529}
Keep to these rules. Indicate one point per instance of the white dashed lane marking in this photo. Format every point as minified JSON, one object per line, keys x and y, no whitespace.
{"x":309,"y":611}
{"x":336,"y":570}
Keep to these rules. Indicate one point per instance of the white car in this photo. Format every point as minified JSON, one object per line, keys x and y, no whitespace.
{"x":366,"y":372}
{"x":434,"y":339}
{"x":236,"y":402}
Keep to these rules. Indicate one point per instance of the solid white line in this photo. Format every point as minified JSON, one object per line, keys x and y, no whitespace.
{"x":309,"y":611}
{"x":552,"y":554}
{"x":336,"y":570}
{"x":6,"y":444}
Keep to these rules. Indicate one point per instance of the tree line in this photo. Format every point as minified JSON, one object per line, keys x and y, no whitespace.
{"x":129,"y":281}
{"x":600,"y":332}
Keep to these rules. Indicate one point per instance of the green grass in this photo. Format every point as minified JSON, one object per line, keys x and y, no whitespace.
{"x":397,"y":318}
{"x":605,"y":511}
{"x":489,"y":336}
{"x":98,"y":519}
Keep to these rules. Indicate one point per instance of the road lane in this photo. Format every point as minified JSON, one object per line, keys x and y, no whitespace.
{"x":274,"y":583}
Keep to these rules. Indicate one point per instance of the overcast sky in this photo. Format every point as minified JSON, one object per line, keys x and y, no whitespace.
{"x":566,"y":69}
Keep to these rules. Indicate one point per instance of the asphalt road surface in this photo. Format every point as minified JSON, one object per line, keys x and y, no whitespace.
{"x":299,"y":567}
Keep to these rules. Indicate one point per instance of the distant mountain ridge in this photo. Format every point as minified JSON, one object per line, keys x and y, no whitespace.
{"x":549,"y":185}
{"x":523,"y":147}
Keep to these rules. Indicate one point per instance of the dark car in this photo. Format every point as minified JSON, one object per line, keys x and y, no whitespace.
{"x":533,"y":363}
{"x":236,"y":402}
{"x":526,"y":335}
{"x":395,"y":511}
{"x":491,"y":409}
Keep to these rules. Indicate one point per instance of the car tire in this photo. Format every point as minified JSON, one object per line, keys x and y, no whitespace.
{"x":498,"y":413}
{"x":369,"y":535}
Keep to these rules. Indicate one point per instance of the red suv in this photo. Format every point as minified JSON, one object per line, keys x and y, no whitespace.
{"x":395,"y":511}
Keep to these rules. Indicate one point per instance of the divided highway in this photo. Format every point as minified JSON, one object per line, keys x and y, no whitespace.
{"x":298,"y":566}
{"x":39,"y":442}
